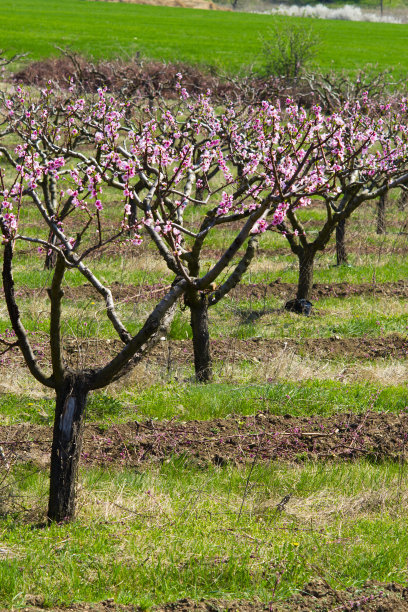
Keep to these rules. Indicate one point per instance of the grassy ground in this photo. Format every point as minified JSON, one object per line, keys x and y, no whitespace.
{"x":229,"y":41}
{"x":217,"y":400}
{"x":178,"y":529}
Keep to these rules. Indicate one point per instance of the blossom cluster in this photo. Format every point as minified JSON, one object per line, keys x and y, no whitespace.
{"x":161,"y":159}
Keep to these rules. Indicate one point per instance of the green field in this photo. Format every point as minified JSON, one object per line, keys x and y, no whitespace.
{"x":226,"y":40}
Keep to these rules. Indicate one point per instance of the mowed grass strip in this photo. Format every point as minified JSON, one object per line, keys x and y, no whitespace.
{"x":354,"y":317}
{"x":187,"y":402}
{"x":223,"y":39}
{"x":178,"y":531}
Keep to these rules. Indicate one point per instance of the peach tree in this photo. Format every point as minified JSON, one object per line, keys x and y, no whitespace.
{"x":62,"y":158}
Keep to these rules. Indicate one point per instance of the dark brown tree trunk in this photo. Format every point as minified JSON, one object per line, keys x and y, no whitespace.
{"x":132,"y":215}
{"x":197,"y":302}
{"x":381,"y":213}
{"x":50,"y":256}
{"x":306,"y":261}
{"x":66,"y":448}
{"x":341,"y":243}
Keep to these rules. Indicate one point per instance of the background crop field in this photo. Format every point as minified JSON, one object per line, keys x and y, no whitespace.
{"x":226,"y":40}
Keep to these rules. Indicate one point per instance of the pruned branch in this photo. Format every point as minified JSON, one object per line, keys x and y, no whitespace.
{"x":4,"y":61}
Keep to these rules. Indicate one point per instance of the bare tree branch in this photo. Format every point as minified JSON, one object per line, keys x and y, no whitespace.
{"x":14,"y":314}
{"x":106,"y":374}
{"x":233,"y":280}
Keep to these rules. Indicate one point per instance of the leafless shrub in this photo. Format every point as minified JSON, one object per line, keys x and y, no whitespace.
{"x":134,"y":78}
{"x":334,"y":89}
{"x":150,"y":79}
{"x":288,"y":49}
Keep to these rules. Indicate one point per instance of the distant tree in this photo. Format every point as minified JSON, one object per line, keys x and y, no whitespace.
{"x":288,"y":49}
{"x":367,"y":155}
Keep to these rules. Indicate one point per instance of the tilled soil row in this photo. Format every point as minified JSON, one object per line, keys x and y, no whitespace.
{"x":340,"y":290}
{"x":236,"y":439}
{"x":315,"y":596}
{"x":142,"y":293}
{"x":97,"y":352}
{"x":265,"y":350}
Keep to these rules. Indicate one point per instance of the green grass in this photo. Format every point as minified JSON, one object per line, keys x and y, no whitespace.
{"x":355,"y":316}
{"x":222,"y":39}
{"x":132,"y":268}
{"x":308,"y":398}
{"x":217,"y":400}
{"x":370,"y":268}
{"x":177,"y":531}
{"x":17,"y":409}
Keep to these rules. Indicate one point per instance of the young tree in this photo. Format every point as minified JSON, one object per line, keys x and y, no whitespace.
{"x":237,"y":160}
{"x":35,"y":174}
{"x":160,"y":157}
{"x":332,"y":91}
{"x":364,"y":148}
{"x":288,"y":49}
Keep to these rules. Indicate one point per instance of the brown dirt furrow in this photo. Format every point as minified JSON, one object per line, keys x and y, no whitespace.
{"x":134,"y":293}
{"x":264,"y":350}
{"x":322,"y":290}
{"x":236,"y":439}
{"x":95,"y":353}
{"x":316,"y":595}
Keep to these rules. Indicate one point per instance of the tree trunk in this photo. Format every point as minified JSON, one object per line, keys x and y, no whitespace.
{"x":381,"y":213}
{"x":50,"y":256}
{"x":132,"y":215}
{"x":306,"y":261}
{"x":201,"y":338}
{"x":341,"y":243}
{"x":66,"y":448}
